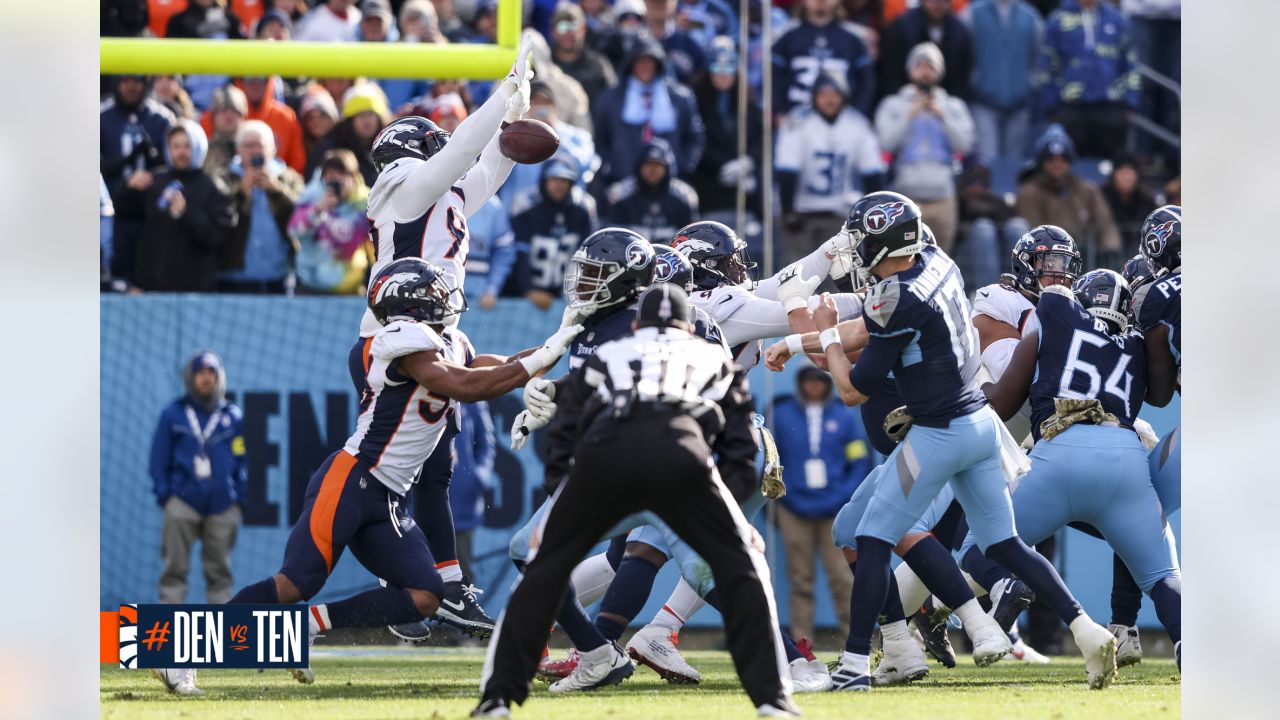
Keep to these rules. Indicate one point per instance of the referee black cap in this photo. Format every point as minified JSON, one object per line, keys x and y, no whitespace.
{"x":664,"y":305}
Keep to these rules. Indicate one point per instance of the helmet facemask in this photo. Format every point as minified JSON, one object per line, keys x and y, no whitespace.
{"x":586,"y":283}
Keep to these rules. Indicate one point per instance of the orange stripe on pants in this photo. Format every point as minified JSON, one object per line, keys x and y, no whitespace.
{"x":109,"y":637}
{"x":326,"y":505}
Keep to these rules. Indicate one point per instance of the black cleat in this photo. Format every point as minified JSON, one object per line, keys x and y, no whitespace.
{"x":1009,"y":598}
{"x":460,"y":609}
{"x":932,"y":624}
{"x":414,"y":632}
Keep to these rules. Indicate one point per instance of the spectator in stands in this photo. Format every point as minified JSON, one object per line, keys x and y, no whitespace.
{"x":258,"y":255}
{"x":705,"y":20}
{"x":319,"y":117}
{"x":815,"y":43}
{"x":549,"y":223}
{"x":274,"y":25}
{"x":617,"y":38}
{"x":684,"y":54}
{"x":574,"y":141}
{"x":364,"y":114}
{"x":926,"y":129}
{"x":200,"y":479}
{"x":377,"y":24}
{"x":651,"y":201}
{"x":418,"y":23}
{"x":221,"y":124}
{"x":473,"y":456}
{"x":1006,"y":37}
{"x":263,"y":105}
{"x":1087,"y":74}
{"x":717,"y":175}
{"x":168,"y":91}
{"x":602,"y":19}
{"x":132,"y":129}
{"x":988,"y":229}
{"x":827,"y":157}
{"x":332,"y":21}
{"x":127,"y":18}
{"x":572,"y":55}
{"x":189,"y":218}
{"x":337,"y":87}
{"x":644,"y":106}
{"x":931,"y":21}
{"x":571,"y":100}
{"x":450,"y":24}
{"x":1129,"y":202}
{"x":823,"y":450}
{"x":330,"y":230}
{"x":210,"y":20}
{"x":296,"y":10}
{"x":1052,"y":195}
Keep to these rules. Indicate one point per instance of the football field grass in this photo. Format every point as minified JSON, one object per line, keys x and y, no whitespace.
{"x":437,"y":684}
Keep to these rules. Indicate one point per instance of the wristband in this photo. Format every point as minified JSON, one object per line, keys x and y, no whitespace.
{"x":795,"y":344}
{"x":829,"y":337}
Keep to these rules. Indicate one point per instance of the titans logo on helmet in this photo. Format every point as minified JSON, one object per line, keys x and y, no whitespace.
{"x":879,"y":218}
{"x":638,"y":254}
{"x":1159,"y":235}
{"x":664,"y":268}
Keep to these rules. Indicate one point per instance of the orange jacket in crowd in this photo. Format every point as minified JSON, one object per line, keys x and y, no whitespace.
{"x":284,"y":125}
{"x":159,"y":12}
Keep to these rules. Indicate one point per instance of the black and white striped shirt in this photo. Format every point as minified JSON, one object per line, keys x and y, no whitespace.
{"x":664,"y":366}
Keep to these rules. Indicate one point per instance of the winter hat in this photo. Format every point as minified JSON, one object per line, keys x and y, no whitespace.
{"x":199,"y":141}
{"x":321,"y":101}
{"x":927,"y":52}
{"x":362,"y":97}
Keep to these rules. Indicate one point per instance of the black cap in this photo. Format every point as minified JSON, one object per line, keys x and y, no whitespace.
{"x":663,"y":305}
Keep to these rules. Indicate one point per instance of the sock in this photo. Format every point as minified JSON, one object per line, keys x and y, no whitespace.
{"x":970,"y":610}
{"x":1037,"y":572}
{"x":617,"y":547}
{"x":871,"y":582}
{"x":985,"y":572}
{"x":373,"y":608}
{"x":1126,"y":596}
{"x":626,"y":596}
{"x":910,"y":589}
{"x":860,"y":663}
{"x":895,"y":631}
{"x":319,"y":615}
{"x":431,"y":510}
{"x":450,"y":571}
{"x":936,"y":568}
{"x":1167,"y":596}
{"x":592,"y":578}
{"x":262,"y":592}
{"x":575,"y":623}
{"x":789,"y":646}
{"x":681,"y":606}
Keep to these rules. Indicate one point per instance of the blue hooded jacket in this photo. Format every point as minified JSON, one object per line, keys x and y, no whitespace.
{"x":1087,"y":65}
{"x":842,"y":448}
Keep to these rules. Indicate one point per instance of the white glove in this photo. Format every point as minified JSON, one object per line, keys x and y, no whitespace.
{"x":517,"y":84}
{"x":550,"y":352}
{"x":1146,"y":433}
{"x":839,"y":248}
{"x":539,"y":398}
{"x":572,"y":316}
{"x":523,"y":427}
{"x":794,"y":288}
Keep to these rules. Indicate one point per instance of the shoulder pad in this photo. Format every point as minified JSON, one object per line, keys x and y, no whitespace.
{"x":1000,"y":303}
{"x":721,"y":302}
{"x":404,"y":338}
{"x":881,"y":301}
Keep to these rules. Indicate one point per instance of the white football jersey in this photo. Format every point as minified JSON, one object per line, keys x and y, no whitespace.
{"x":1012,"y":308}
{"x":746,"y":318}
{"x":400,"y":421}
{"x":830,"y":158}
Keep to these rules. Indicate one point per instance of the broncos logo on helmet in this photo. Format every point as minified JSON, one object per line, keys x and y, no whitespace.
{"x":879,"y":218}
{"x":1157,"y":236}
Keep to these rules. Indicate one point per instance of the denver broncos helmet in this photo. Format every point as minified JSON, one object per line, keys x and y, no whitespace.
{"x":1106,"y":295}
{"x":1045,"y":250}
{"x":670,"y":266}
{"x":718,"y":255}
{"x":413,"y":136}
{"x":1161,"y":242}
{"x":613,"y":265}
{"x":413,"y":289}
{"x":883,"y":225}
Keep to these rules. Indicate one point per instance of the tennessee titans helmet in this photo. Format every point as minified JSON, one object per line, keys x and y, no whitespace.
{"x":1136,"y":272}
{"x":718,"y":255}
{"x":670,"y":266}
{"x":414,"y":289}
{"x":613,"y":265}
{"x":413,"y":136}
{"x":1045,"y":250}
{"x":883,"y":225}
{"x":1161,"y":241}
{"x":1106,"y":295}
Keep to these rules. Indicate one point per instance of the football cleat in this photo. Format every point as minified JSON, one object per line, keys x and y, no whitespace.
{"x":903,"y":662}
{"x":1177,"y":654}
{"x":414,"y":632}
{"x":845,"y":677}
{"x":306,"y":675}
{"x":1098,"y":646}
{"x":809,"y":676}
{"x":179,"y":681}
{"x":1009,"y":597}
{"x":460,"y":609}
{"x":491,"y":708}
{"x":778,"y":708}
{"x":1128,"y":645}
{"x":657,"y":648}
{"x":604,"y":666}
{"x":990,"y":643}
{"x":552,"y":670}
{"x":1023,"y":652}
{"x":933,"y":630}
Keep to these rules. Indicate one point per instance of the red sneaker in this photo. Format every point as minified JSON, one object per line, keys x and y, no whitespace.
{"x":806,"y":649}
{"x":552,"y":670}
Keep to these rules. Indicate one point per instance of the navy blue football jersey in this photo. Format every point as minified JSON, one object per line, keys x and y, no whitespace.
{"x":1080,"y":358}
{"x":1161,"y":304}
{"x":882,"y":400}
{"x":919,"y":324}
{"x":613,"y":322}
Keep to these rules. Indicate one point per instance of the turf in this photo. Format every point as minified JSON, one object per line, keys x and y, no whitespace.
{"x":392,"y":683}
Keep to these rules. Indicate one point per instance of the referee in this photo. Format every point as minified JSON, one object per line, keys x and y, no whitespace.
{"x":649,"y":405}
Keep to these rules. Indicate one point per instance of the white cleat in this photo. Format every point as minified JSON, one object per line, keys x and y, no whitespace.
{"x":903,"y":662}
{"x":179,"y":681}
{"x":809,"y":676}
{"x":606,"y":665}
{"x":306,"y":675}
{"x":1098,"y":646}
{"x":990,"y":643}
{"x":658,"y":648}
{"x":1023,"y":652}
{"x":783,"y":708}
{"x":1128,"y":645}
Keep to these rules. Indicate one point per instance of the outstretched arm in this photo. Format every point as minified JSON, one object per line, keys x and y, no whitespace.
{"x":1008,"y":394}
{"x":470,"y":384}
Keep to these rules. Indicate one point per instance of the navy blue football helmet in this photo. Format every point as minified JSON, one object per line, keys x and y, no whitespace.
{"x":413,"y":136}
{"x":613,"y":265}
{"x":670,"y":266}
{"x":1136,"y":272}
{"x":1106,"y":295}
{"x":414,"y":289}
{"x":718,"y":255}
{"x":1161,"y":241}
{"x":1045,"y":251}
{"x":883,"y":225}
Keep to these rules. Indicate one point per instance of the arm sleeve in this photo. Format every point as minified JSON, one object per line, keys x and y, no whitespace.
{"x":484,"y":179}
{"x":814,"y":264}
{"x":877,"y":360}
{"x":161,"y":449}
{"x":433,"y":178}
{"x":735,"y":446}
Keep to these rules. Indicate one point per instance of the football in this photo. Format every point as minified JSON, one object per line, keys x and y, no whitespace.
{"x":529,"y":141}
